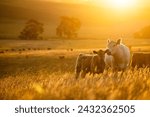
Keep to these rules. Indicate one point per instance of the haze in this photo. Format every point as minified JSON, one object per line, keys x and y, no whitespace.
{"x":99,"y":18}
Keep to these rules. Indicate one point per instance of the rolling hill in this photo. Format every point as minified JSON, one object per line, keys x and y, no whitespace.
{"x":95,"y":22}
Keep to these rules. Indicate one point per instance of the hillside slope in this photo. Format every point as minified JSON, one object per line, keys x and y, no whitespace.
{"x":95,"y":22}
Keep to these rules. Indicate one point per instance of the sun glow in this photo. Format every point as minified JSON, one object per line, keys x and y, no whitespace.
{"x":122,"y":3}
{"x":118,"y":4}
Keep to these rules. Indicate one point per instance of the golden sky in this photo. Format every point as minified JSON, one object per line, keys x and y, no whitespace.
{"x":110,"y":16}
{"x":99,"y":1}
{"x":113,"y":5}
{"x":118,"y":10}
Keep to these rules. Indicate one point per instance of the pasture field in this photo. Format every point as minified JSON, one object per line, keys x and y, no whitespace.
{"x":45,"y":69}
{"x":87,"y":43}
{"x":41,"y":74}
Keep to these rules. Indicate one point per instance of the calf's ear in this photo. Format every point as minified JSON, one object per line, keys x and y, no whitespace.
{"x":108,"y":41}
{"x":95,"y":52}
{"x":108,"y":52}
{"x":118,"y":41}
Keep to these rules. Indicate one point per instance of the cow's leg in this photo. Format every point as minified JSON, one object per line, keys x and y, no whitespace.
{"x":83,"y":74}
{"x":77,"y":75}
{"x":123,"y":72}
{"x":96,"y":70}
{"x":78,"y":70}
{"x":92,"y":69}
{"x":115,"y":73}
{"x":107,"y":70}
{"x":91,"y":73}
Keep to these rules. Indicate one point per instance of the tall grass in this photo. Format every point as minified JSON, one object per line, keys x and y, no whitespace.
{"x":48,"y":77}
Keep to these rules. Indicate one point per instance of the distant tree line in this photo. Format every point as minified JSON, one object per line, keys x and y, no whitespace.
{"x":143,"y":33}
{"x":68,"y":28}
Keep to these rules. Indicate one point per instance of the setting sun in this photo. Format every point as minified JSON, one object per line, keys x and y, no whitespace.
{"x":122,"y":3}
{"x":119,"y":4}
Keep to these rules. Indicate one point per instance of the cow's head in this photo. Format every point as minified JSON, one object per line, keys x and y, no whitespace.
{"x":111,"y":45}
{"x":101,"y":53}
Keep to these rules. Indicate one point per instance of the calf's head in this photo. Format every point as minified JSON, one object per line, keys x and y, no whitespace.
{"x":101,"y":53}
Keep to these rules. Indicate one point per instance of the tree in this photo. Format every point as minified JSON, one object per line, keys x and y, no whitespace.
{"x":143,"y":33}
{"x":68,"y":27}
{"x":32,"y":30}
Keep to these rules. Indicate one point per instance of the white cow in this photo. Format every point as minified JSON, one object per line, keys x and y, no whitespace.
{"x":120,"y":55}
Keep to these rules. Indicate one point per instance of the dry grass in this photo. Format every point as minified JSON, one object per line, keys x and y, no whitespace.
{"x":43,"y":75}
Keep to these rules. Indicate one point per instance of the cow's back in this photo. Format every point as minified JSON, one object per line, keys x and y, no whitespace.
{"x":140,"y":59}
{"x":84,"y":61}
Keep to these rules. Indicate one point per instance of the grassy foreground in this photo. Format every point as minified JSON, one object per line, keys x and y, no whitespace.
{"x":43,"y":75}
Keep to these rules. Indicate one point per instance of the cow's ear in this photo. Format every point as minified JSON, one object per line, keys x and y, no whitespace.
{"x":95,"y":52}
{"x":118,"y":41}
{"x":108,"y":52}
{"x":108,"y":41}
